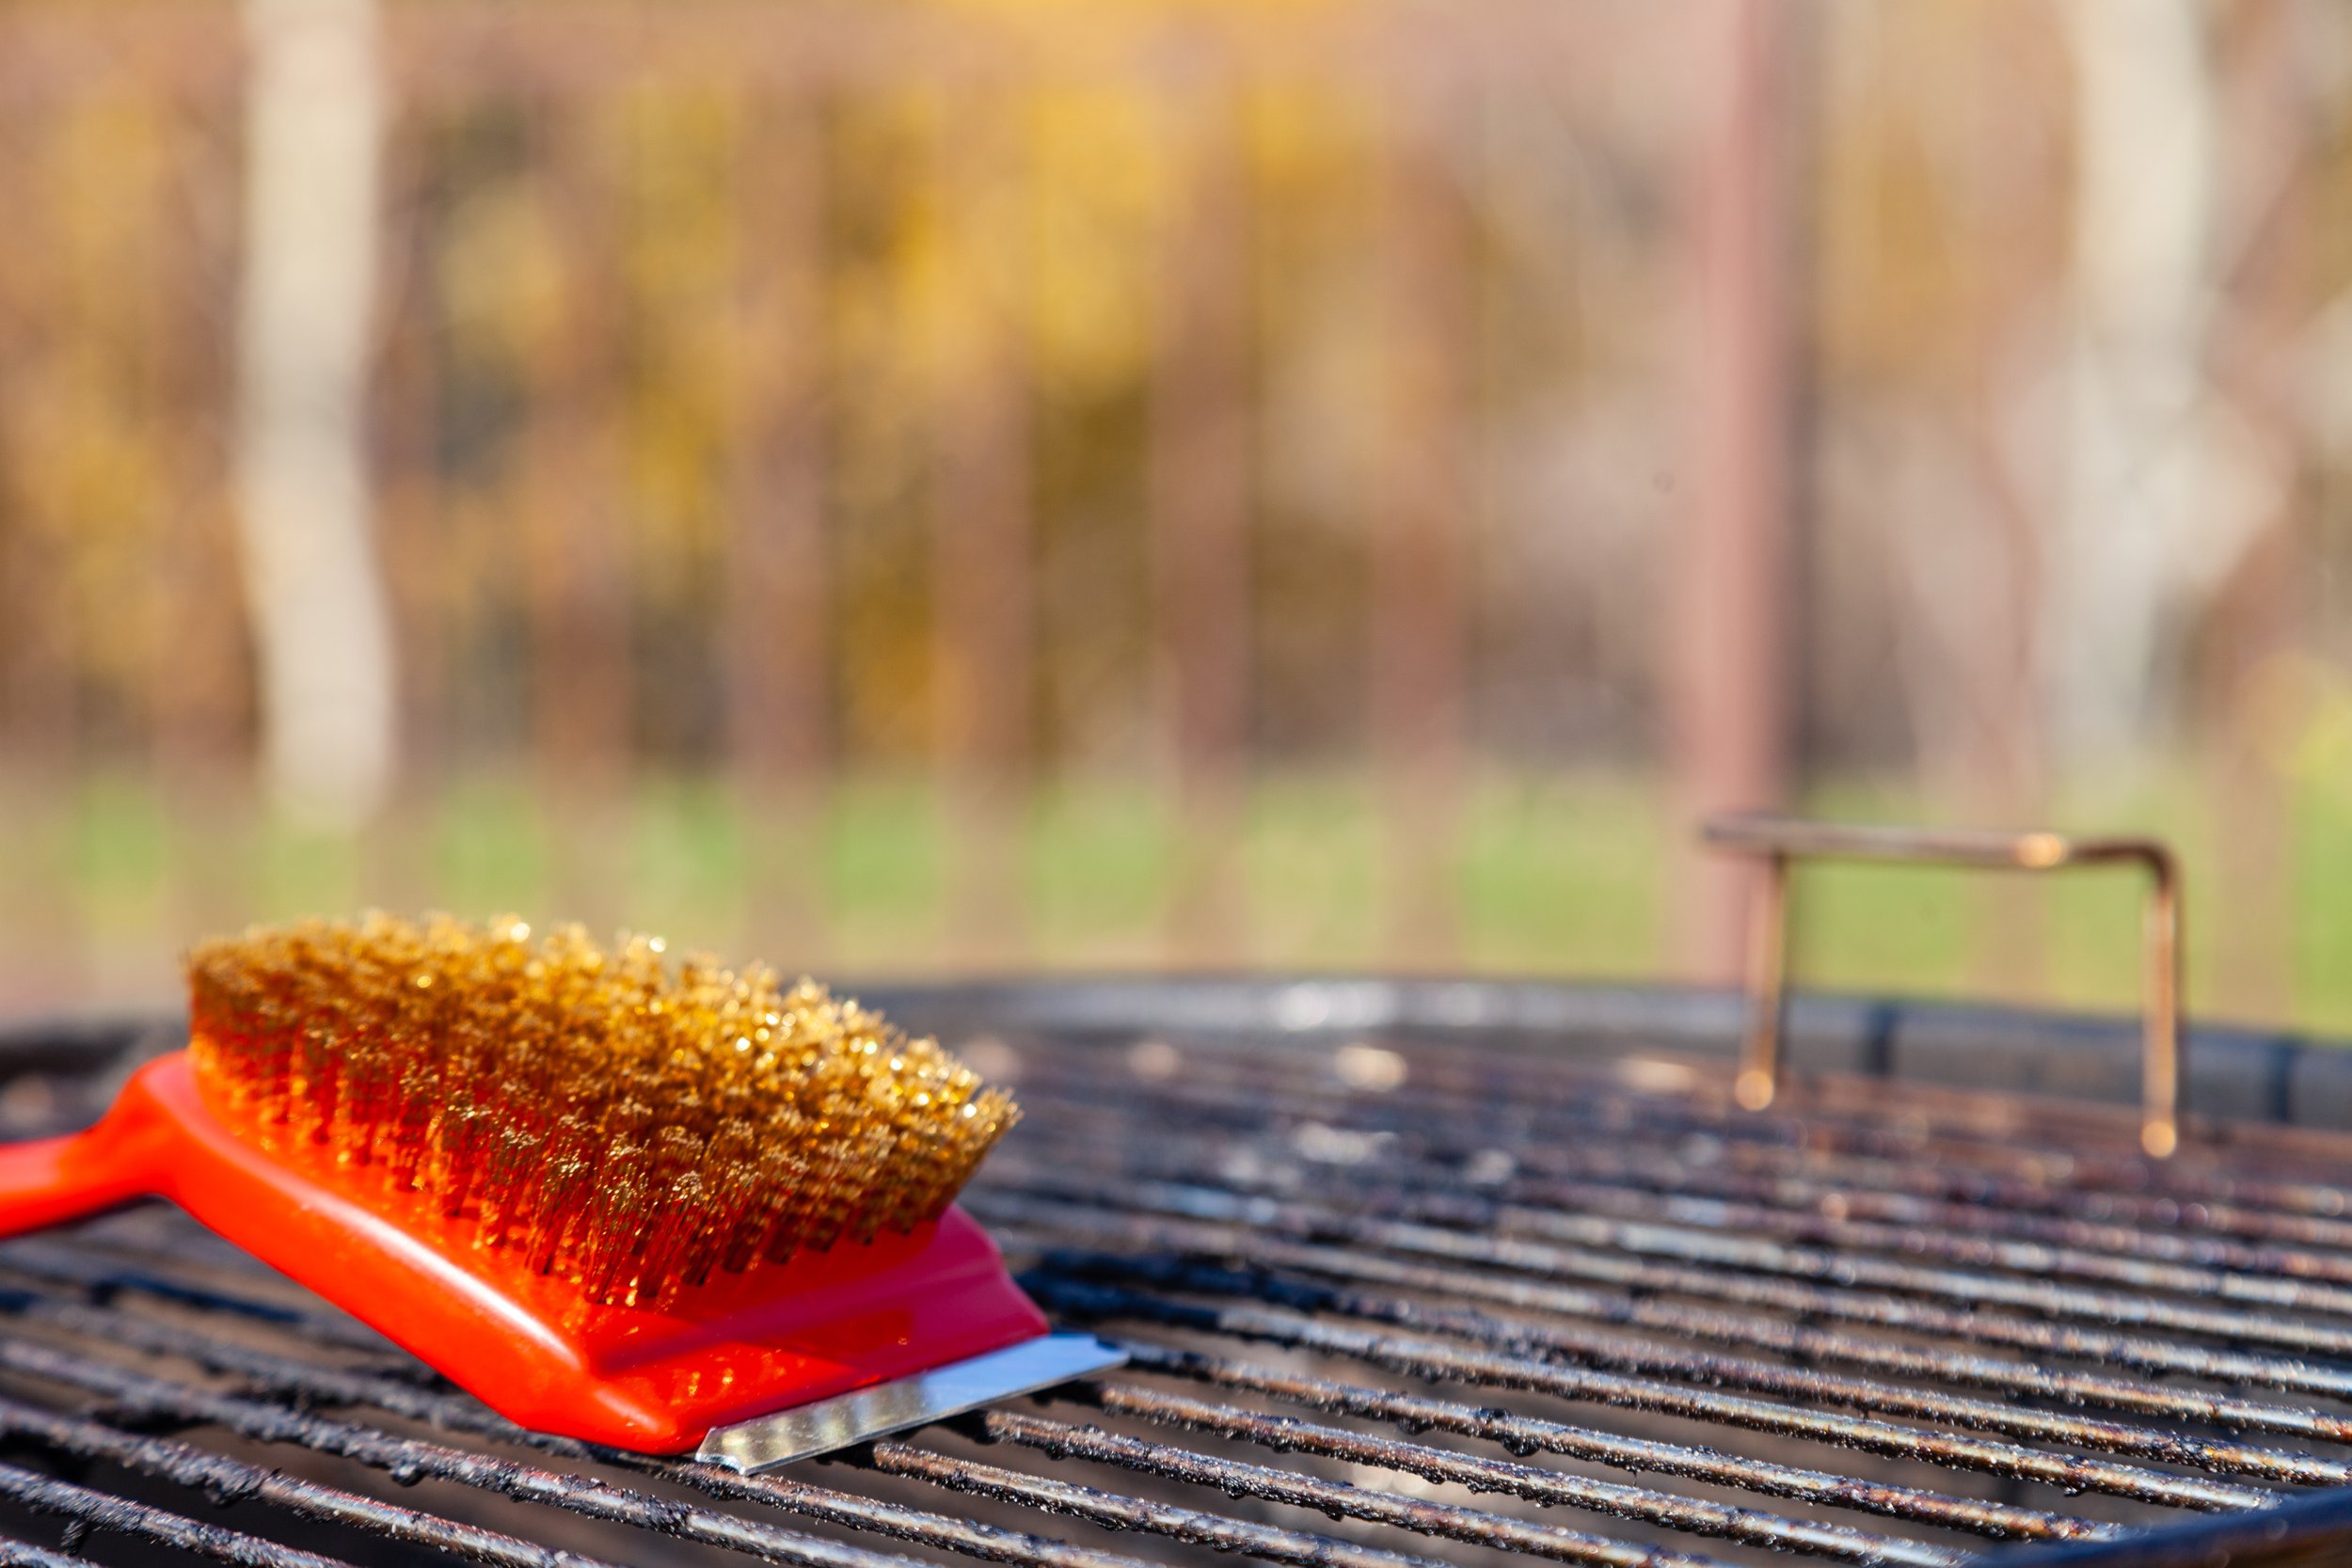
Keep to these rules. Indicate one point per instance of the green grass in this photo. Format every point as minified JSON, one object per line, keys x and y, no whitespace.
{"x":1098,"y":869}
{"x":1564,"y":874}
{"x":1313,"y":865}
{"x":883,"y":894}
{"x":2321,"y":895}
{"x":490,"y":849}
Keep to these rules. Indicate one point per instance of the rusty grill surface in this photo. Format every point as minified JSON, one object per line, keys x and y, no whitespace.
{"x":1395,"y":1295}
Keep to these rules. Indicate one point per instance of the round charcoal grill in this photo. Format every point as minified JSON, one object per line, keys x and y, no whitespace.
{"x":1411,"y":1272}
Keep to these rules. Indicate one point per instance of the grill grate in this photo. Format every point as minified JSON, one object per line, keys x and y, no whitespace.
{"x":1416,"y":1299}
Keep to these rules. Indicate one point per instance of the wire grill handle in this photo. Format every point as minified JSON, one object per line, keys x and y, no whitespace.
{"x":1780,"y":840}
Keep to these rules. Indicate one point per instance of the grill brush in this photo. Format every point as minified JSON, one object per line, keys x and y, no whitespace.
{"x":664,"y":1209}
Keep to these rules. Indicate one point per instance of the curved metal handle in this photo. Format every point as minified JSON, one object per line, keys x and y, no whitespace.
{"x":1779,"y":839}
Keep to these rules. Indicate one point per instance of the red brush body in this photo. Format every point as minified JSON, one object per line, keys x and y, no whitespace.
{"x":621,"y":1202}
{"x":651,"y":1380}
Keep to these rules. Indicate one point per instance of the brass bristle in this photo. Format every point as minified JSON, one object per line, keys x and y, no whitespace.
{"x":604,"y":1116}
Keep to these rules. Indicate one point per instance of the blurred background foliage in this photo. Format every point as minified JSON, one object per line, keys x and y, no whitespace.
{"x":1018,"y":482}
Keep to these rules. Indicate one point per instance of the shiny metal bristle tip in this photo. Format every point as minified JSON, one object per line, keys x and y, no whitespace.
{"x":767,"y":1442}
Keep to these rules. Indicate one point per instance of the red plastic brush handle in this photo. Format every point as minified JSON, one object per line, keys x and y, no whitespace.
{"x":527,"y":1346}
{"x":51,"y":1180}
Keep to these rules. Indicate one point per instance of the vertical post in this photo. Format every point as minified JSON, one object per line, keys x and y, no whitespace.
{"x":1200,"y":466}
{"x":200,"y":676}
{"x":575,"y":575}
{"x":1731,"y":690}
{"x":305,"y":321}
{"x":416,"y":541}
{"x":201,"y":673}
{"x":2144,"y":194}
{"x":1422,"y":521}
{"x":1768,"y":981}
{"x":42,"y":724}
{"x":779,"y":664}
{"x":982,"y":501}
{"x":2259,"y":347}
{"x":1994,"y":759}
{"x":2160,"y":1062}
{"x":40,"y":732}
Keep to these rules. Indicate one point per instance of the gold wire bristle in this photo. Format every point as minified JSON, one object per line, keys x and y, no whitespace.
{"x":600,"y":1115}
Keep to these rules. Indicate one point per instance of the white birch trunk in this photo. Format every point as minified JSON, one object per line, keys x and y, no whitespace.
{"x":2164,"y":486}
{"x":314,"y":124}
{"x":2143,"y":206}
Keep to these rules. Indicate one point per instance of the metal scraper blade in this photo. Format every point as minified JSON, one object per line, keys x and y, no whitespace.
{"x":766,"y":1442}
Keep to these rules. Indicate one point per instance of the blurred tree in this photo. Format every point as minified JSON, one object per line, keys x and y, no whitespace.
{"x":313,"y":127}
{"x":2163,"y":491}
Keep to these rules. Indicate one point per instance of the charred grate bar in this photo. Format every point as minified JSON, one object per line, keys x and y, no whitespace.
{"x":1397,"y":1289}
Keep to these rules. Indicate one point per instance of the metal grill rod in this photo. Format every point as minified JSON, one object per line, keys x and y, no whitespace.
{"x":310,"y":1382}
{"x":1751,"y":1526}
{"x":1431,"y":1358}
{"x":1685,"y":1263}
{"x":1551,"y":1095}
{"x":1797,"y":1196}
{"x":1111,"y":1510}
{"x":1912,"y":1123}
{"x":1050,"y":1229}
{"x":1631,"y":1502}
{"x":1466,"y":1524}
{"x":224,"y":1480}
{"x":1808,"y":1385}
{"x":24,"y":1554}
{"x":971,"y":1538}
{"x":408,"y":1458}
{"x":2188,"y":1405}
{"x":1906,"y":1189}
{"x":1428,"y":1198}
{"x":1972,"y":1234}
{"x":1950,"y":1245}
{"x":1539,"y":1103}
{"x":2084,"y":1221}
{"x":1827,"y":1215}
{"x":1233,"y":1478}
{"x":95,"y":1510}
{"x":102,"y":1269}
{"x":1524,"y":1434}
{"x":1538,"y":1109}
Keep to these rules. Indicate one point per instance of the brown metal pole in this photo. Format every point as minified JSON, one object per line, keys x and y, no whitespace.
{"x":1421,"y":522}
{"x":1992,"y":758}
{"x":411,"y":524}
{"x":2262,"y":613}
{"x":39,"y":694}
{"x":982,"y":503}
{"x":575,"y":573}
{"x":201,"y":677}
{"x":2161,"y":1062}
{"x":778,"y":605}
{"x":1200,"y":466}
{"x":1767,"y":979}
{"x":778,"y":706}
{"x":1730,"y":688}
{"x":43,"y":957}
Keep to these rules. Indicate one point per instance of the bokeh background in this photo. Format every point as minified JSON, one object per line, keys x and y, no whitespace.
{"x":899,"y":488}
